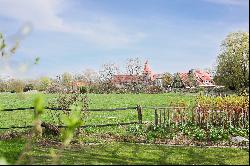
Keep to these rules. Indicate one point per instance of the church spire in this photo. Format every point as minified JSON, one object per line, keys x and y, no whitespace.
{"x":147,"y":69}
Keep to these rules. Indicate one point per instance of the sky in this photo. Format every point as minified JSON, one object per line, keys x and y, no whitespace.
{"x":74,"y":35}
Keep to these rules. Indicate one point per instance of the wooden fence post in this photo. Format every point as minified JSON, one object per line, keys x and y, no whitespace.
{"x":160,"y":118}
{"x":192,"y":115}
{"x":233,"y":118}
{"x":230,"y":119}
{"x":221,"y":118}
{"x":168,"y":118}
{"x":156,"y":118}
{"x":164,"y":118}
{"x":216,"y":118}
{"x":139,"y":111}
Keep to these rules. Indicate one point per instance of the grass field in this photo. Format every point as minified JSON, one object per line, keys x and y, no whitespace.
{"x":23,"y":118}
{"x":125,"y":153}
{"x":109,"y":151}
{"x":102,"y":100}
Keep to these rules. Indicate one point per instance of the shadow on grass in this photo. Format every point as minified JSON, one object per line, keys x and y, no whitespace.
{"x":127,"y":154}
{"x":11,"y":149}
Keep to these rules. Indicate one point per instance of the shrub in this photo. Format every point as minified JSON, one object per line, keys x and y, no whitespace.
{"x":56,"y":88}
{"x":83,"y":89}
{"x":3,"y":86}
{"x":16,"y":86}
{"x":44,"y":83}
{"x":28,"y":87}
{"x":94,"y":89}
{"x":154,"y":89}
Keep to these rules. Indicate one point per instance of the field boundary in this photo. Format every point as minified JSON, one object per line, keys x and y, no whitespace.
{"x":137,"y":108}
{"x":165,"y":116}
{"x":64,"y":109}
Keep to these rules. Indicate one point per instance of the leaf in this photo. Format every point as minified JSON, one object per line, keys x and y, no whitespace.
{"x":37,"y":60}
{"x":3,"y":161}
{"x":39,"y":104}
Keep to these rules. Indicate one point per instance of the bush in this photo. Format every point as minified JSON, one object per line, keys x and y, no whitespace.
{"x":28,"y":87}
{"x":83,"y":89}
{"x":56,"y":88}
{"x":154,"y":89}
{"x":16,"y":86}
{"x":3,"y":86}
{"x":199,"y":134}
{"x":94,"y":89}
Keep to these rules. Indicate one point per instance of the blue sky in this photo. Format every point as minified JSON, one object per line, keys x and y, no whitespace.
{"x":74,"y":35}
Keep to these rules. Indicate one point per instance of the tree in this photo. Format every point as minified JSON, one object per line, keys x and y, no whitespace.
{"x":134,"y":66}
{"x":28,"y":87}
{"x":44,"y":83}
{"x":167,"y":79}
{"x":177,"y":82}
{"x":90,"y":76}
{"x":106,"y":75}
{"x":3,"y":86}
{"x":232,"y":69}
{"x":16,"y":85}
{"x":108,"y":71}
{"x":66,"y":79}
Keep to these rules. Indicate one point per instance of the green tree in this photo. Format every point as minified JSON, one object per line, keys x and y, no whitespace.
{"x":232,"y":69}
{"x":44,"y":83}
{"x":16,"y":86}
{"x":67,"y":78}
{"x":167,"y":79}
{"x":177,"y":82}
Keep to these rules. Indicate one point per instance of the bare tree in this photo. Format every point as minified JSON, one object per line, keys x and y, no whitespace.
{"x":134,"y":66}
{"x":108,"y":71}
{"x":90,"y":76}
{"x":106,"y":74}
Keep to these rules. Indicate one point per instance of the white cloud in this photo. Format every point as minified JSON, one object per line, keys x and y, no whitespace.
{"x":46,"y":15}
{"x":42,"y":13}
{"x":230,"y":2}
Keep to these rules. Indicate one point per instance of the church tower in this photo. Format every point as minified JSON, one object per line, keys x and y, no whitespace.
{"x":147,"y":72}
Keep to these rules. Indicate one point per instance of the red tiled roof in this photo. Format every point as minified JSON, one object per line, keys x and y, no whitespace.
{"x":133,"y":78}
{"x":202,"y":78}
{"x":184,"y":77}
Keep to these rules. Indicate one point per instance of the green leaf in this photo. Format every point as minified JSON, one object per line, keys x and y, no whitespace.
{"x":39,"y":104}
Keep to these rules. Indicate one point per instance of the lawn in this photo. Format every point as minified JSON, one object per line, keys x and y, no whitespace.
{"x":125,"y":153}
{"x":23,"y":118}
{"x":108,"y":152}
{"x":103,"y":100}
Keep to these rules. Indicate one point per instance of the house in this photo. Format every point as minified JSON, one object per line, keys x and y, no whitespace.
{"x":148,"y":77}
{"x":158,"y":81}
{"x":193,"y":78}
